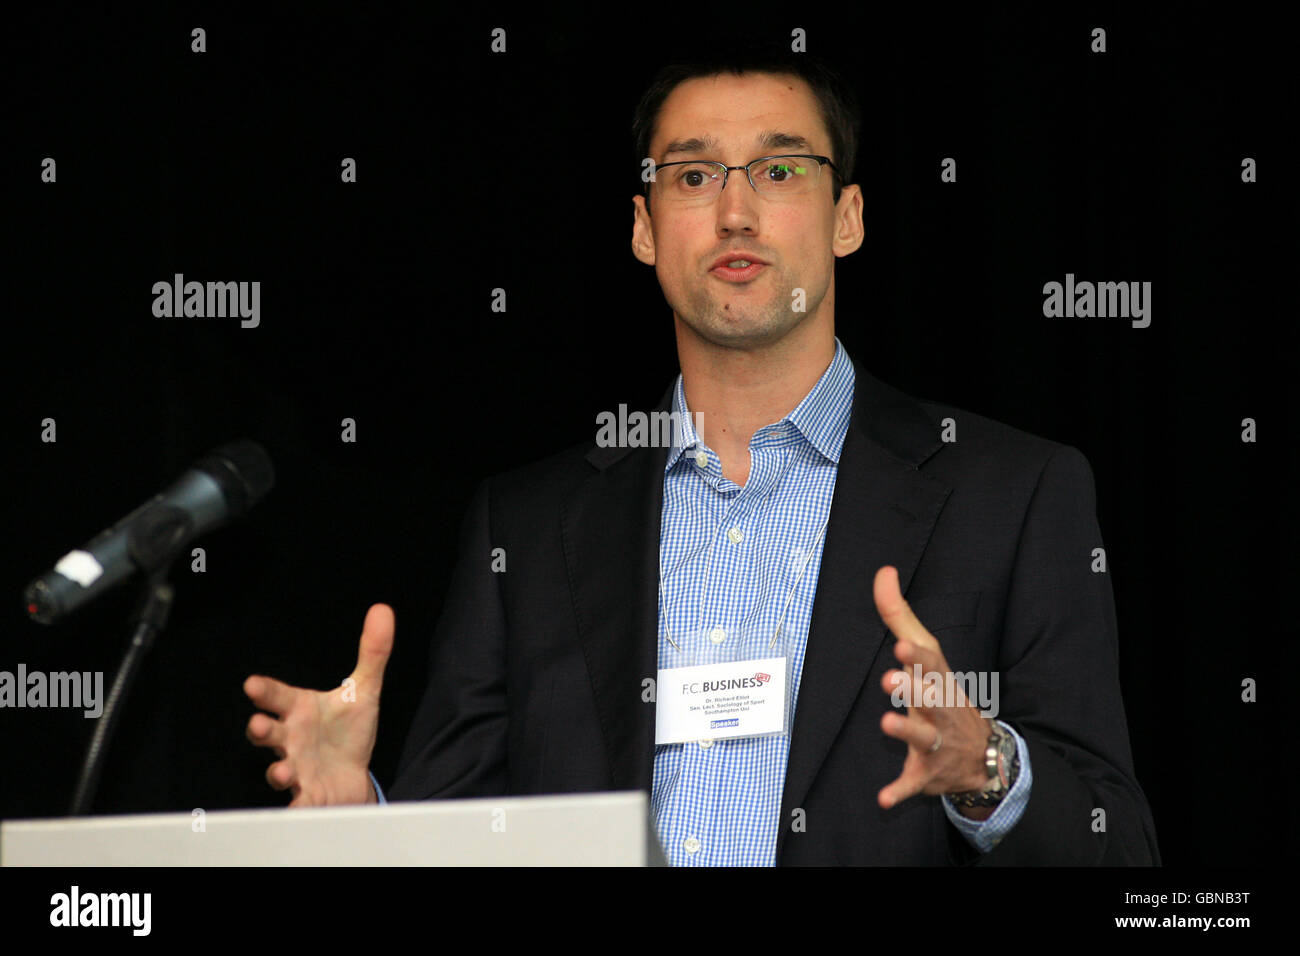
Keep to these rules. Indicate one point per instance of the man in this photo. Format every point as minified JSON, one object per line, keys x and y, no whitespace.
{"x":808,"y":483}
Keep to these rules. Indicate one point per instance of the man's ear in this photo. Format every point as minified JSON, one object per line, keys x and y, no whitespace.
{"x":643,"y":233}
{"x":849,"y":230}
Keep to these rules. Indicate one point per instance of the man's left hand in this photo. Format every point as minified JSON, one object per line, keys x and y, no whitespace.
{"x":958,"y":764}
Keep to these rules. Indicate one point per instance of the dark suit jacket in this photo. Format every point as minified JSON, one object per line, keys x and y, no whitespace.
{"x":536,"y":674}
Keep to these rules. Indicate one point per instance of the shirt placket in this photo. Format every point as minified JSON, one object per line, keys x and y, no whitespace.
{"x":704,"y":763}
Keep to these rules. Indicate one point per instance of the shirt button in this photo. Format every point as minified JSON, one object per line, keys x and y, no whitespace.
{"x":702,"y":459}
{"x":717,"y":635}
{"x":691,"y":845}
{"x":734,"y":535}
{"x":706,"y":743}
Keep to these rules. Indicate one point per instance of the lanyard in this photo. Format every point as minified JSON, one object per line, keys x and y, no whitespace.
{"x":663,"y":609}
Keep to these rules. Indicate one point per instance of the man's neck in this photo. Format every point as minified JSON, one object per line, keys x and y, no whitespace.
{"x":733,"y":392}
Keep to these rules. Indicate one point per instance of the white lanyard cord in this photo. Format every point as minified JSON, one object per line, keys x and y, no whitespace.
{"x":790,"y":597}
{"x":663,"y":610}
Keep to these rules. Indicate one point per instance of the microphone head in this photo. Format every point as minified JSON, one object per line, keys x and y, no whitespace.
{"x":243,"y":470}
{"x":152,"y":534}
{"x":42,"y":604}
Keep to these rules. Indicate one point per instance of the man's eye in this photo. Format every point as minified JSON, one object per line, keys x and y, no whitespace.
{"x":693,"y":177}
{"x":781,"y":172}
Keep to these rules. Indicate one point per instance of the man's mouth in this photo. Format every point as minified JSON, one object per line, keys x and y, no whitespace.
{"x":737,"y":268}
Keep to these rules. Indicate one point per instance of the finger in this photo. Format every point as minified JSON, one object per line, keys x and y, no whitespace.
{"x":902,"y":689}
{"x":281,"y":775}
{"x":270,"y":694}
{"x":933,"y":684}
{"x":908,"y":785}
{"x":265,"y":731}
{"x":896,"y":680}
{"x":915,"y":731}
{"x":931,"y":659}
{"x":375,"y":646}
{"x":897,"y":613}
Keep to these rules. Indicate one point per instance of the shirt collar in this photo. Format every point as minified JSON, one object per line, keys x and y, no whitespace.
{"x":822,"y":417}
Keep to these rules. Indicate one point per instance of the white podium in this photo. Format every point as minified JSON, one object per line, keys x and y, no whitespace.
{"x":590,"y":829}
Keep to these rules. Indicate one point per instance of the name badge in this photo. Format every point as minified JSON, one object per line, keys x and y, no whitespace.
{"x":744,"y":698}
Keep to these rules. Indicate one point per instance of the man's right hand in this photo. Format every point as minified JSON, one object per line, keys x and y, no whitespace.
{"x":324,"y":738}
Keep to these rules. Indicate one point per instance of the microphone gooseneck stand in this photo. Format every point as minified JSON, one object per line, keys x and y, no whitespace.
{"x":150,"y":618}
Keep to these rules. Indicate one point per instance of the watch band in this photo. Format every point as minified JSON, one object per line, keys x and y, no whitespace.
{"x":1000,"y":744}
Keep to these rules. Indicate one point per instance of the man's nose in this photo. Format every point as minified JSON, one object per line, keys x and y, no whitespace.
{"x":737,"y":203}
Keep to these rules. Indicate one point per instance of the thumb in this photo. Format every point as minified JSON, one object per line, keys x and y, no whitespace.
{"x":896,"y":612}
{"x":376,"y":644}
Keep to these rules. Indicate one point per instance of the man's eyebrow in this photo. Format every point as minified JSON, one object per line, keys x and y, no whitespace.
{"x":767,"y":140}
{"x":774,"y":139}
{"x":695,"y":144}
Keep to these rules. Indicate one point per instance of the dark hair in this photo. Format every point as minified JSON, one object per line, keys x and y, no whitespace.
{"x":837,"y":99}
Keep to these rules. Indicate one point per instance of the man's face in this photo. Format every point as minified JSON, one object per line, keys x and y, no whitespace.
{"x":734,"y":120}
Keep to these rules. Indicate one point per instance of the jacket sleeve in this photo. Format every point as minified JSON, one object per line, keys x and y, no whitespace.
{"x":1059,"y":663}
{"x":456,"y":746}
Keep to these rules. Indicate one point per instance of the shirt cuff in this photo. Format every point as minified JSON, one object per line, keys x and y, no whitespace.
{"x":380,"y":793}
{"x":984,"y":835}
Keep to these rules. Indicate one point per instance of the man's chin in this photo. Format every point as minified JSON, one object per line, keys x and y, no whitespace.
{"x":734,"y":329}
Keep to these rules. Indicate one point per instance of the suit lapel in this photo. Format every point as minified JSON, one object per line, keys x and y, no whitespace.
{"x":610,"y":532}
{"x":883,"y":512}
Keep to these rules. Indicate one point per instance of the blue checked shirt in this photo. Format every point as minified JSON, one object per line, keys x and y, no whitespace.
{"x":730,"y":557}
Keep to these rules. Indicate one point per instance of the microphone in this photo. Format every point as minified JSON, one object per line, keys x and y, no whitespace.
{"x":219,"y":487}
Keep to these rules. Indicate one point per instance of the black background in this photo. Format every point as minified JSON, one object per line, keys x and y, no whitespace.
{"x":479,"y":170}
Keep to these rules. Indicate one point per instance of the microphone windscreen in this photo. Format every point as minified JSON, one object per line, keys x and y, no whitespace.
{"x":243,"y":470}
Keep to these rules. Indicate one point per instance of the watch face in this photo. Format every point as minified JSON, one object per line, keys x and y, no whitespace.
{"x":1008,"y":752}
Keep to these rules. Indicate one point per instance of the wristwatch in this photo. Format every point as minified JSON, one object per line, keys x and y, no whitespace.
{"x":1002,"y":764}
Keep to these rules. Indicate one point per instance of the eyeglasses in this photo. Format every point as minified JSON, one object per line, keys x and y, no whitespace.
{"x":772,"y":177}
